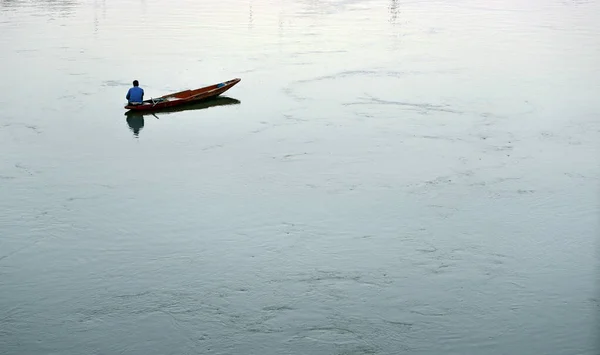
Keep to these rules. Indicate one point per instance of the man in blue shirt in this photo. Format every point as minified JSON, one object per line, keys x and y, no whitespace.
{"x":135,"y":95}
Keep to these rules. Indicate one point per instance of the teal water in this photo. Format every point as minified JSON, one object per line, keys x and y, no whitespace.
{"x":388,"y":178}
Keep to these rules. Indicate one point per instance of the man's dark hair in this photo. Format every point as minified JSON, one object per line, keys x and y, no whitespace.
{"x":135,"y":83}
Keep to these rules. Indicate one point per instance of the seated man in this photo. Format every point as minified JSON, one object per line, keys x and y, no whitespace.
{"x":135,"y":95}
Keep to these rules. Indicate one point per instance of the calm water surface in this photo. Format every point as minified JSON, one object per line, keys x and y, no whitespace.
{"x":389,"y":177}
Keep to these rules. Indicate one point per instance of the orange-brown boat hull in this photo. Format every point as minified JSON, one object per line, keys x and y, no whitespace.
{"x":184,"y":97}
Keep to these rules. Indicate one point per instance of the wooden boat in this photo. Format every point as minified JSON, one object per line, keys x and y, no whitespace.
{"x":183,"y":97}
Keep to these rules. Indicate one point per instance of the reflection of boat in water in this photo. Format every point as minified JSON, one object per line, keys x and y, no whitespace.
{"x":185,"y":97}
{"x":135,"y":119}
{"x":199,"y":105}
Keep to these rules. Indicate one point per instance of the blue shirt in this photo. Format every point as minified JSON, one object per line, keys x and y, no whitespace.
{"x":135,"y":94}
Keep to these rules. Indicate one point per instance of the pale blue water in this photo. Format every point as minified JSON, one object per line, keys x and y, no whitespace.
{"x":390,"y":178}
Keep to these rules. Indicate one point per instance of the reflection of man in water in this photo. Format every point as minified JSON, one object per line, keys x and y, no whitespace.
{"x":136,"y":123}
{"x":135,"y":95}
